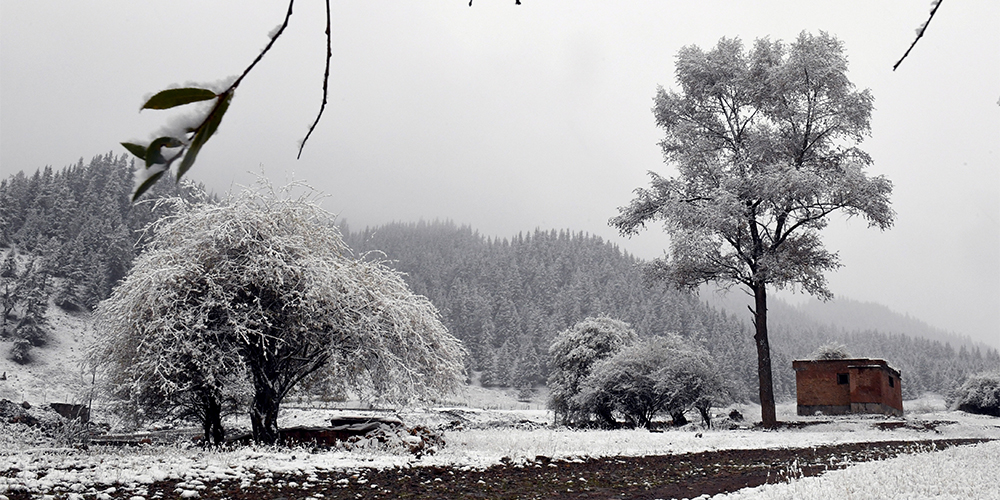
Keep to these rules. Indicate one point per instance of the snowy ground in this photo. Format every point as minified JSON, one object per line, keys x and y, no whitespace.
{"x":498,"y":435}
{"x":493,"y":427}
{"x":56,"y":374}
{"x":964,"y":472}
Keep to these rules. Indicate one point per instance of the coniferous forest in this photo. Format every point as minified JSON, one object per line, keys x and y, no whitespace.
{"x":508,"y":298}
{"x":69,"y":236}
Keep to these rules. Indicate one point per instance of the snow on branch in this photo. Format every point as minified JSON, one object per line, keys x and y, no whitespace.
{"x":920,"y":32}
{"x":261,"y":291}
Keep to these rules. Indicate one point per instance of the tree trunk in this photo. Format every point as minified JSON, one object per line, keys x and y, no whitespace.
{"x":264,"y":414}
{"x":604,"y":413}
{"x":767,"y":414}
{"x":218,"y":433}
{"x":677,"y":418}
{"x":212,"y":425}
{"x":705,"y":409}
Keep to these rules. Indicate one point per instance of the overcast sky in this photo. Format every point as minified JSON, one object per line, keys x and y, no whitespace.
{"x":510,"y":118}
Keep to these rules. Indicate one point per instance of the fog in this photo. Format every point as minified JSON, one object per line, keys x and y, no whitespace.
{"x":510,"y":118}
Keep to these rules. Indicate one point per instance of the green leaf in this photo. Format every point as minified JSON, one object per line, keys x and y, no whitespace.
{"x":176,"y":97}
{"x":136,"y":149}
{"x":148,"y":183}
{"x":204,"y":133}
{"x":153,"y":154}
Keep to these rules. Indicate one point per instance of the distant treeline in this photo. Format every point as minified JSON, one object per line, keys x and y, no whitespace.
{"x":70,"y":235}
{"x":508,"y":298}
{"x":75,"y":235}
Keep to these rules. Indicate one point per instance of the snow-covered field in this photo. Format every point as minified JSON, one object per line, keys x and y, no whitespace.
{"x":964,"y":472}
{"x":495,"y":428}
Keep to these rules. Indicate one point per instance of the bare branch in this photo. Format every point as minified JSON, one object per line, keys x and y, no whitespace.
{"x":920,"y":33}
{"x":260,"y":56}
{"x":516,"y":2}
{"x":326,"y":80}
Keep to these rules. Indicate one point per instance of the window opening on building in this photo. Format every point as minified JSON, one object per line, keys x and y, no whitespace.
{"x":892,"y":383}
{"x":842,"y":379}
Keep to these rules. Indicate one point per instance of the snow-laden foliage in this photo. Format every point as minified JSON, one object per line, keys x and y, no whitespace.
{"x":23,"y":303}
{"x":979,"y":394}
{"x":765,"y":142}
{"x":260,"y":291}
{"x":832,"y":350}
{"x":657,"y":375}
{"x":573,"y":354}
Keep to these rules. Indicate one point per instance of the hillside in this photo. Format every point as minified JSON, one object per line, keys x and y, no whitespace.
{"x":506,"y":298}
{"x":930,"y":359}
{"x":68,"y":236}
{"x":838,"y":315}
{"x":55,"y":374}
{"x":852,"y":315}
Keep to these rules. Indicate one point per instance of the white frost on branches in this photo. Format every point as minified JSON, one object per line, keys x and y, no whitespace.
{"x":572,"y":356}
{"x":832,"y":350}
{"x":980,"y":393}
{"x":661,"y":374}
{"x":262,"y":289}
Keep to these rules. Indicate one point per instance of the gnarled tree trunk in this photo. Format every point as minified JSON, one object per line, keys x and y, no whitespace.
{"x":264,"y":413}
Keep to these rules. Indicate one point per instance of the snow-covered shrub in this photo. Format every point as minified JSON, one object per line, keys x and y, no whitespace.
{"x":829,"y":351}
{"x":658,"y":375}
{"x":979,"y":394}
{"x":20,"y":352}
{"x":261,"y":290}
{"x":572,"y":355}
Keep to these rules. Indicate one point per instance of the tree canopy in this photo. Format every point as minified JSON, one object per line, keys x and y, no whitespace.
{"x":662,"y":374}
{"x":765,"y":143}
{"x":572,"y":356}
{"x":262,"y":287}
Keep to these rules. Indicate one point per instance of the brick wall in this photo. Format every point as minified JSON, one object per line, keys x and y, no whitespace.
{"x":847,"y":386}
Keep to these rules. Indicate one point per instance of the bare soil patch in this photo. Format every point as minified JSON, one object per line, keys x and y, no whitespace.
{"x":650,"y":477}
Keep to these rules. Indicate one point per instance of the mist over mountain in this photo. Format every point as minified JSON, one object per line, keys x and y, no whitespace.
{"x":507,"y":298}
{"x":839,"y":315}
{"x":67,"y":237}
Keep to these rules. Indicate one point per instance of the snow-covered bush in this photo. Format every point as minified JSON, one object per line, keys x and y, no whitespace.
{"x":20,"y":352}
{"x":653,"y":376}
{"x":255,"y":294}
{"x":572,"y":355}
{"x":829,"y":351}
{"x":979,"y":394}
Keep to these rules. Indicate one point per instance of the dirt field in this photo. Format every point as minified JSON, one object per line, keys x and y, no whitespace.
{"x":651,"y":477}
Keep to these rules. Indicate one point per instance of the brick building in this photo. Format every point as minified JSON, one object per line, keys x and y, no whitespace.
{"x":839,"y":386}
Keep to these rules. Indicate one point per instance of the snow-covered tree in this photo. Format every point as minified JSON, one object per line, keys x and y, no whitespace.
{"x":657,"y":375}
{"x":572,"y":356}
{"x":979,"y":394}
{"x":23,"y":304}
{"x":832,"y":350}
{"x":262,"y":286}
{"x":765,"y":143}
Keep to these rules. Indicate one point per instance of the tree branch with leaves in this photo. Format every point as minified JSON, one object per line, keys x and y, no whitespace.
{"x":185,"y":138}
